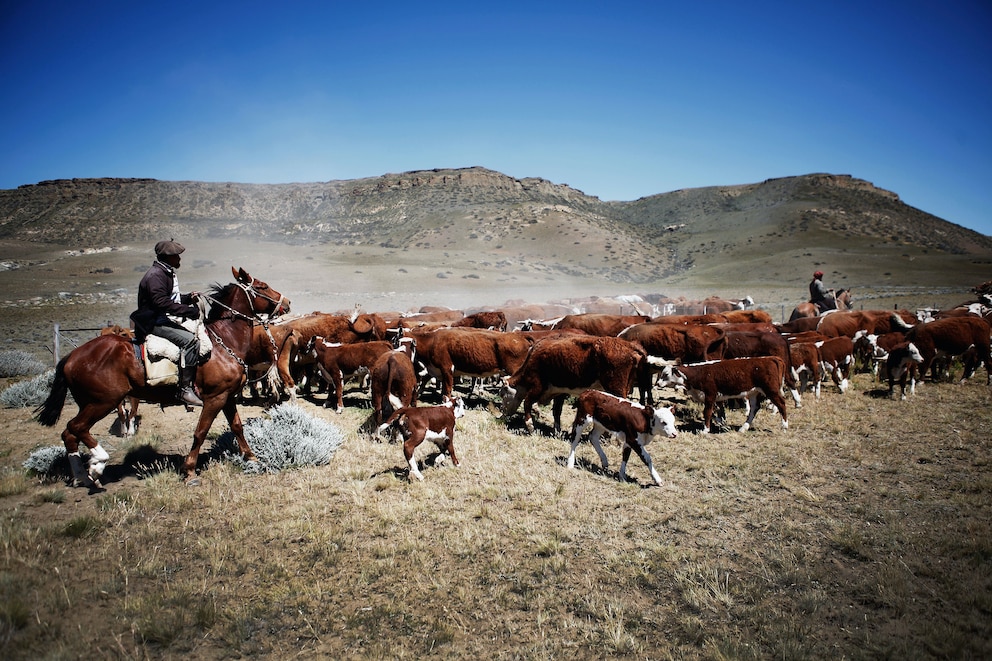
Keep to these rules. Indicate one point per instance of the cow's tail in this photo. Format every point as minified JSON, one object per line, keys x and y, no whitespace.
{"x":384,"y":427}
{"x":48,"y":413}
{"x":899,"y":322}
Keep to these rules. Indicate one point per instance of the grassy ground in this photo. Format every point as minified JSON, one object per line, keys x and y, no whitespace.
{"x":863,"y":531}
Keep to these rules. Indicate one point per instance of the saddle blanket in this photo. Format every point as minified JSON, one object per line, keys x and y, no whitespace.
{"x":161,"y":357}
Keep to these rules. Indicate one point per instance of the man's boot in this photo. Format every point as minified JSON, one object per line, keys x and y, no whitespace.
{"x":187,"y":395}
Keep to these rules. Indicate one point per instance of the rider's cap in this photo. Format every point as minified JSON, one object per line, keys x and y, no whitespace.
{"x":818,"y":274}
{"x":168,"y":248}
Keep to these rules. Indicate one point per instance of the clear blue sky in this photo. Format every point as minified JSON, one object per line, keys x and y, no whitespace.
{"x":618,"y":99}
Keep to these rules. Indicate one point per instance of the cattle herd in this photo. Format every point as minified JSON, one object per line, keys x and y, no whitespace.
{"x":522,"y":356}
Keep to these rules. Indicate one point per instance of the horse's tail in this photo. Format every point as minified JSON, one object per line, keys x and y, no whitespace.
{"x":49,"y":412}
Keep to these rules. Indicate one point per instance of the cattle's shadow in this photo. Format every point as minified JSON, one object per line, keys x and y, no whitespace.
{"x":878,"y":393}
{"x":595,"y":468}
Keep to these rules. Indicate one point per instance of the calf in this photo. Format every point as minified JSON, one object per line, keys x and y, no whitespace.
{"x":805,"y":360}
{"x":836,"y":359}
{"x":900,"y":364}
{"x":735,"y":378}
{"x":394,"y":381}
{"x":419,"y":423}
{"x":335,"y":361}
{"x":634,"y":423}
{"x":750,"y":344}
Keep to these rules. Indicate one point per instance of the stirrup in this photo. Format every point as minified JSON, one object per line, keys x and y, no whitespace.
{"x":188,"y":397}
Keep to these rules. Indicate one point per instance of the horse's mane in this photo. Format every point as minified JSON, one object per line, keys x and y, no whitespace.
{"x":219,"y":292}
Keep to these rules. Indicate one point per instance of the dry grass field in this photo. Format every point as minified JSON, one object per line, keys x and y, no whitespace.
{"x":863,"y":531}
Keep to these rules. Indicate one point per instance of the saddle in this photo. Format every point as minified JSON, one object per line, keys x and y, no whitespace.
{"x":161,"y":357}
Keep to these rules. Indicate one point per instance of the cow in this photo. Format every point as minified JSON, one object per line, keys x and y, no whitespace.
{"x":449,"y":352}
{"x":634,"y":423}
{"x":264,"y":365}
{"x":600,"y":324}
{"x":687,"y":344}
{"x":954,"y":336}
{"x":562,"y":366}
{"x":734,"y":378}
{"x":848,"y":323}
{"x":750,"y":344}
{"x":873,"y":349}
{"x":805,"y":360}
{"x":416,"y":424}
{"x":394,"y":381}
{"x":336,"y":361}
{"x":489,"y":319}
{"x":837,"y":359}
{"x":357,"y":327}
{"x":901,"y":364}
{"x":434,"y":319}
{"x":800,"y":325}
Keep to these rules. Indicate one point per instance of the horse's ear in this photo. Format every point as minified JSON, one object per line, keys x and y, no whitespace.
{"x":241,"y":275}
{"x":234,"y":272}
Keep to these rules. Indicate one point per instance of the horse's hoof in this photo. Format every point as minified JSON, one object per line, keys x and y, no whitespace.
{"x":193,"y":482}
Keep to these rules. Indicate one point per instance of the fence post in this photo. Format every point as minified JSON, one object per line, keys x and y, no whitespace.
{"x":55,"y":344}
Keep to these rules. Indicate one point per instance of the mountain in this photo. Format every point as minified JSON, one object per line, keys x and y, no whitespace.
{"x":778,"y":228}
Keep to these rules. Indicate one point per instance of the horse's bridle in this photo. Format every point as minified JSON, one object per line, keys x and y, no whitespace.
{"x":250,"y":293}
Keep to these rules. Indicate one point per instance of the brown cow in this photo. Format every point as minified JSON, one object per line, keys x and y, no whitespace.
{"x":488,"y":319}
{"x":127,"y":409}
{"x":419,"y":423}
{"x":634,"y":423}
{"x":332,"y":327}
{"x":954,"y":336}
{"x":751,"y":344}
{"x":736,"y":378}
{"x":264,"y":365}
{"x":600,"y":324}
{"x":337,"y":361}
{"x":558,"y":367}
{"x":848,"y":323}
{"x":394,"y":381}
{"x":450,"y":352}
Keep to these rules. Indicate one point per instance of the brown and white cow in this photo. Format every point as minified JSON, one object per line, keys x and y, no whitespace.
{"x":337,"y":361}
{"x":558,"y":367}
{"x":750,"y":344}
{"x":805,"y":360}
{"x":600,"y":324}
{"x":849,"y":322}
{"x":394,"y":381}
{"x":636,"y":425}
{"x":901,"y":364}
{"x":687,"y":344}
{"x":736,"y":378}
{"x":873,"y":349}
{"x":968,"y":337}
{"x":837,"y":359}
{"x":416,"y":424}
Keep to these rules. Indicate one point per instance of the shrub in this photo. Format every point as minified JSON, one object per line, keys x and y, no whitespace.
{"x":288,"y":438}
{"x":28,"y":393}
{"x":19,"y":363}
{"x":48,"y":462}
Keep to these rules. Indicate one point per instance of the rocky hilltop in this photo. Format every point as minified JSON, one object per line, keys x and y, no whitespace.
{"x":478,"y":209}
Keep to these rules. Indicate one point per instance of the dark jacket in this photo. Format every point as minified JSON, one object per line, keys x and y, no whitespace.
{"x":155,"y":300}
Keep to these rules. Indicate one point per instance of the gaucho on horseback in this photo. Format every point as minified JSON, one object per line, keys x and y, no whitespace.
{"x":161,"y":310}
{"x":819,"y":295}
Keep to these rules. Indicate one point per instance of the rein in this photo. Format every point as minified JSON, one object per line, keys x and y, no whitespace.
{"x":235,"y":314}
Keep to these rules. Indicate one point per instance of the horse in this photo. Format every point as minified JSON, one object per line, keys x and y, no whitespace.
{"x":842,"y":299}
{"x":105,"y":370}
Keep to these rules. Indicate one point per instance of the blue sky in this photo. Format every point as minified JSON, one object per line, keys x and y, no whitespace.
{"x":618,"y":99}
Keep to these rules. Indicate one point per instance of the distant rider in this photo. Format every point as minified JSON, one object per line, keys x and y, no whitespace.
{"x":158,"y":300}
{"x":819,"y":295}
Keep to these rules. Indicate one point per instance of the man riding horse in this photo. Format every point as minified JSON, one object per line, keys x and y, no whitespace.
{"x":161,"y":309}
{"x":819,"y":295}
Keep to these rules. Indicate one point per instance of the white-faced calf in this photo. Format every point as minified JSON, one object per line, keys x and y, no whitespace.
{"x":433,"y":423}
{"x":634,"y":423}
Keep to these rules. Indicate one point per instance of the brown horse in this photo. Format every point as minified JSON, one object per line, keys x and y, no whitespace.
{"x":842,"y":299}
{"x":103,"y":371}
